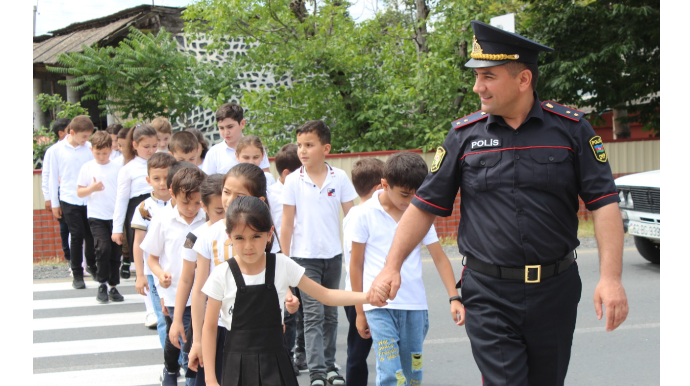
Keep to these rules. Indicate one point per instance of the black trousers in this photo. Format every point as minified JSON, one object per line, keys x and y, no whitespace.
{"x":358,"y":348}
{"x":521,"y":334}
{"x":200,"y":376}
{"x":64,"y":237}
{"x":80,"y":233}
{"x":107,"y":251}
{"x":128,"y":232}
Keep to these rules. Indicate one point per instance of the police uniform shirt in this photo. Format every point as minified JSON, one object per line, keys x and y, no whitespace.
{"x":519,"y":188}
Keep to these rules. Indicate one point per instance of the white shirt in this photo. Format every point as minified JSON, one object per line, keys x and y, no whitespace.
{"x":165,"y":238}
{"x":212,"y":243}
{"x":347,"y":243}
{"x":270,"y":180}
{"x":153,"y":206}
{"x":221,"y":157}
{"x":221,"y":285}
{"x":374,"y":227}
{"x":317,"y":212}
{"x":114,"y":154}
{"x":274,"y":192}
{"x":65,"y":163}
{"x":45,"y":172}
{"x":131,"y":182}
{"x":100,"y":204}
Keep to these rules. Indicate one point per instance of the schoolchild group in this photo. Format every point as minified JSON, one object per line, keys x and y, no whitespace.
{"x":214,"y":237}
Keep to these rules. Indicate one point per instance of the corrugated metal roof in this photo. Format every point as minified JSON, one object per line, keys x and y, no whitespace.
{"x":47,"y":51}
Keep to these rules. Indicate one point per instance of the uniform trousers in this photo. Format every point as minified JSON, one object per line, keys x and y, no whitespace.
{"x":107,"y":251}
{"x":521,"y":333}
{"x":80,"y":236}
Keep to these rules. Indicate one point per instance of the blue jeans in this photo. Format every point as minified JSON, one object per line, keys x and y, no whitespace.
{"x":398,"y":336}
{"x":170,"y":349}
{"x":157,"y":309}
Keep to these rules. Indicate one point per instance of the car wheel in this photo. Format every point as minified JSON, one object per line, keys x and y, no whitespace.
{"x":649,"y":250}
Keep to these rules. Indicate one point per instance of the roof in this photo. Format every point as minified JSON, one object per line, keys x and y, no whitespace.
{"x":102,"y":30}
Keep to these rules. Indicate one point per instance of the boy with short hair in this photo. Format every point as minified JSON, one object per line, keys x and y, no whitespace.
{"x":310,"y":234}
{"x":97,"y":181}
{"x":184,"y":147}
{"x":65,"y":163}
{"x":61,"y":132}
{"x":221,"y":156}
{"x":399,"y":328}
{"x":112,"y":130}
{"x":164,"y":243}
{"x":157,"y":169}
{"x":366,"y":178}
{"x":163,"y":131}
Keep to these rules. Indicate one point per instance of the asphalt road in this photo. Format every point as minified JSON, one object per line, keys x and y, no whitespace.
{"x":77,"y":341}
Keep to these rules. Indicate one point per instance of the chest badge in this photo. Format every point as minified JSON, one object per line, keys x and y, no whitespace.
{"x":488,"y":142}
{"x":438,"y":159}
{"x":598,"y":148}
{"x":331,"y":192}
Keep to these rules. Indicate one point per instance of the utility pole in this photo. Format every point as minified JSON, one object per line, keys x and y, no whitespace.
{"x":35,"y":8}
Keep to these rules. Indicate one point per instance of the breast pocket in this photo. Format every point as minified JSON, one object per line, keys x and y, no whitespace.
{"x":482,"y":171}
{"x":552,"y":168}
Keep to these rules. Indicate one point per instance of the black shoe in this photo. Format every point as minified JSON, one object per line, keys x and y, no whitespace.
{"x":169,"y":379}
{"x":124,"y":271}
{"x":92,"y":272}
{"x":114,"y":295}
{"x":102,"y":296}
{"x":295,"y":369}
{"x":301,"y":360}
{"x":78,"y":283}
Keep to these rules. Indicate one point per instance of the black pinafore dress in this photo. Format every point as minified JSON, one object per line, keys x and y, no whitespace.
{"x":254,"y":353}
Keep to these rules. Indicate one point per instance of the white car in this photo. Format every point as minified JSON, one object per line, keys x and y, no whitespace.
{"x":640,"y":206}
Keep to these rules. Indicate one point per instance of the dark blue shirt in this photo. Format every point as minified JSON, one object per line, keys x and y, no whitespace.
{"x":519,"y":188}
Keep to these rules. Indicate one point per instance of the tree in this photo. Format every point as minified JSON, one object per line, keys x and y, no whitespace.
{"x":607,"y":56}
{"x":43,"y":138}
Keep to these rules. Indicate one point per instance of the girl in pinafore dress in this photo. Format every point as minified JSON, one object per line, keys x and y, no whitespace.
{"x":246,"y":292}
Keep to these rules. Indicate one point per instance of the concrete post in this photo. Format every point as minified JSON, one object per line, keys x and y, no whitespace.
{"x":72,"y":95}
{"x":39,"y":119}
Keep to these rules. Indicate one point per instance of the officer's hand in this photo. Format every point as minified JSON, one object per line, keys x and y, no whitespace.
{"x":363,"y":326}
{"x":457,"y":311}
{"x":611,"y":293}
{"x":388,"y":276}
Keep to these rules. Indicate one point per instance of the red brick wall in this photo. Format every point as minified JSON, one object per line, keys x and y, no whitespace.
{"x":47,"y":241}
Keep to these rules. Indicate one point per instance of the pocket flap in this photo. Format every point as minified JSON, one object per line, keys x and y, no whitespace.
{"x":484,"y":160}
{"x":548,"y":155}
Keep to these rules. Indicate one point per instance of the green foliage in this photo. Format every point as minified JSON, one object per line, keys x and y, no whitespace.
{"x":146,"y":76}
{"x":607,"y":50}
{"x":43,"y":138}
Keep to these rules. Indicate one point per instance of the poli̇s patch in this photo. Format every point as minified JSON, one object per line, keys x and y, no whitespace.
{"x":438,"y":159}
{"x":598,"y":148}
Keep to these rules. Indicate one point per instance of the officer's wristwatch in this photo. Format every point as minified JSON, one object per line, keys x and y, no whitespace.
{"x":458,"y":298}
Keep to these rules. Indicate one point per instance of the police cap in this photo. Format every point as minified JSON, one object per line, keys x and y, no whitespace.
{"x":493,"y":46}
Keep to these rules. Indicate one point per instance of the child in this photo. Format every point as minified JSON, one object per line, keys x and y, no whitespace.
{"x":366,"y":178}
{"x":221,"y":157}
{"x":164,"y":131}
{"x":311,"y":199}
{"x":121,"y":144}
{"x":157,"y":169}
{"x":65,"y":162}
{"x":60,"y":131}
{"x":163,"y":242}
{"x":203,"y":145}
{"x":132,"y":188}
{"x":113,"y":130}
{"x":248,"y":289}
{"x":399,"y":328}
{"x":184,"y":147}
{"x":98,"y":181}
{"x":251,"y":150}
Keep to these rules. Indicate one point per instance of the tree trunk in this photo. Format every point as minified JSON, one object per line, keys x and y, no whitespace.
{"x":420,"y":42}
{"x":620,"y":129}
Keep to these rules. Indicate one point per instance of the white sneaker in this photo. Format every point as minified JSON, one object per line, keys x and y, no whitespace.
{"x":151,"y":321}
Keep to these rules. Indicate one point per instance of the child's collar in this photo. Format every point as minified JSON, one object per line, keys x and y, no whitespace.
{"x":303,"y":170}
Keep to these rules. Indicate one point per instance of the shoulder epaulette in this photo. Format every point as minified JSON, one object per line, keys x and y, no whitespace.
{"x":474,"y":117}
{"x":144,"y":212}
{"x":563,"y":111}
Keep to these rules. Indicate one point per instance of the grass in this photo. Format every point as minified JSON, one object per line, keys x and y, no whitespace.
{"x":55,"y":260}
{"x":586,"y":229}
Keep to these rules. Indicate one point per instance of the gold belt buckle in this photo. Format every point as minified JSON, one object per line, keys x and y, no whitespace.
{"x":527,"y":268}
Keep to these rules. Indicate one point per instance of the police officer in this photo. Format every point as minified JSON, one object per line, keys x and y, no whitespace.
{"x":520,"y":165}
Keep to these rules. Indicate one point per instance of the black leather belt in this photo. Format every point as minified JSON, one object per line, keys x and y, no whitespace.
{"x":528,"y":273}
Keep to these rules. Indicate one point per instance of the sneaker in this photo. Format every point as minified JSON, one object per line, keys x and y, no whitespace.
{"x":102,"y":296}
{"x":301,"y":360}
{"x":318,"y":382}
{"x":169,"y":379}
{"x":91,"y":271}
{"x":124,"y":271}
{"x":114,"y":295}
{"x":78,"y":283}
{"x":151,"y":321}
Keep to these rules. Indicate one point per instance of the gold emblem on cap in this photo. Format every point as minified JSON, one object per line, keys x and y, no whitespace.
{"x":577,"y":115}
{"x":466,"y":120}
{"x":567,"y":112}
{"x":483,"y":113}
{"x":549,"y":105}
{"x":478,"y":53}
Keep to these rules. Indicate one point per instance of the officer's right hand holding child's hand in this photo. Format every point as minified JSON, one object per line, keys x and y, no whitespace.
{"x":363,"y":326}
{"x":141,"y":284}
{"x":165,"y":279}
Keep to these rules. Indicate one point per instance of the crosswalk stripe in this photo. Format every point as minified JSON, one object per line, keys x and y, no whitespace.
{"x":96,"y":346}
{"x":67,"y":285}
{"x":104,"y":320}
{"x":49,"y":304}
{"x":119,"y":376}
